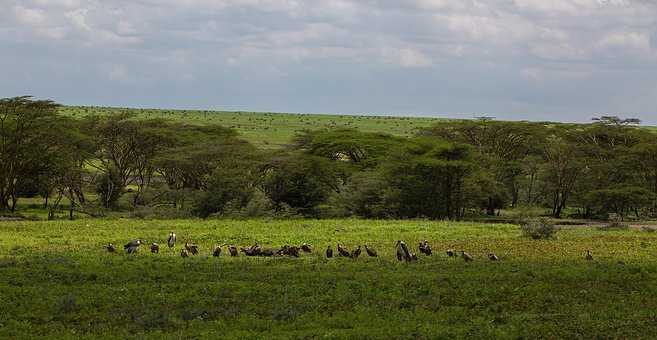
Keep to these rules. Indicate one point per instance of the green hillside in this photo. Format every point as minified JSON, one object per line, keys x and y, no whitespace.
{"x":267,"y":129}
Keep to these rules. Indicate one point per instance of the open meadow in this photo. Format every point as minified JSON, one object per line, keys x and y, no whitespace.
{"x":267,"y":129}
{"x":57,"y":280}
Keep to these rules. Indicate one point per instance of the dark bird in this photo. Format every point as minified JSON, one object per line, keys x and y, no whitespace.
{"x":133,"y":243}
{"x":370,"y":251}
{"x":493,"y":257}
{"x":184,"y":253}
{"x":293,"y":251}
{"x":232,"y":250}
{"x":466,"y":257}
{"x":342,"y":251}
{"x":110,"y":248}
{"x":402,"y":251}
{"x":306,"y":248}
{"x":282,"y":251}
{"x":171,"y":242}
{"x":329,"y":252}
{"x":192,"y":248}
{"x":425,"y":248}
{"x":450,"y":252}
{"x":132,"y":249}
{"x":589,"y":257}
{"x":249,"y":251}
{"x":216,"y":251}
{"x":155,"y":248}
{"x":355,"y":253}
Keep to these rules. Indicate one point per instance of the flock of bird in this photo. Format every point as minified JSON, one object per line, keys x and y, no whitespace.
{"x":402,"y":250}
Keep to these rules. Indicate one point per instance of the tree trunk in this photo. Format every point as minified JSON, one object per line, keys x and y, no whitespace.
{"x":490,"y":209}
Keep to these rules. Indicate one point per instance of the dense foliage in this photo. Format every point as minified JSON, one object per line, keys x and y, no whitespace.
{"x":98,"y":164}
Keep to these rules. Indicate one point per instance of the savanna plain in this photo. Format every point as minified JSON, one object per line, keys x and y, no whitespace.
{"x":57,"y":280}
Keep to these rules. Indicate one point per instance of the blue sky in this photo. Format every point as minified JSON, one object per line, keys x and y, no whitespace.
{"x":565,"y":60}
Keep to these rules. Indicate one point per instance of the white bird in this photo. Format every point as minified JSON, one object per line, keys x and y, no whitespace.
{"x":402,"y":251}
{"x":493,"y":257}
{"x":466,"y":257}
{"x":171,"y":242}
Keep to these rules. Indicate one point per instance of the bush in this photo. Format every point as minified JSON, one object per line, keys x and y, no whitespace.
{"x":538,"y":229}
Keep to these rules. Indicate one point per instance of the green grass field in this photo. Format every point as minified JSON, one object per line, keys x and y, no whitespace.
{"x":271,"y":130}
{"x":56,"y":280}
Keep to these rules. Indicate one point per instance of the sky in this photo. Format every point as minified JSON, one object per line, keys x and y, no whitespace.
{"x":559,"y":60}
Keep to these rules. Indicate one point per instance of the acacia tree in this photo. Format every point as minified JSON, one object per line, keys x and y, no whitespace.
{"x":126,"y":149}
{"x":28,"y":137}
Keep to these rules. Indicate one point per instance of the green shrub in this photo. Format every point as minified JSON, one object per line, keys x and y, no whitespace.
{"x":538,"y":229}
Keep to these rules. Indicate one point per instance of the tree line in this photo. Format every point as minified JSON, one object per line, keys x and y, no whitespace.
{"x":98,"y":164}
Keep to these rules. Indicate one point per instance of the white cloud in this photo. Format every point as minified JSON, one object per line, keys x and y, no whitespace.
{"x":554,"y":42}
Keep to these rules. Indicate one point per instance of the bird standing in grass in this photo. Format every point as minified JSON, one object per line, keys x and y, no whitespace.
{"x":425,"y":248}
{"x":589,"y":257}
{"x":371,"y":251}
{"x":466,"y":257}
{"x":355,"y":253}
{"x":493,"y":257}
{"x":192,"y":248}
{"x":342,"y":251}
{"x":232,"y":250}
{"x":402,"y":251}
{"x":216,"y":251}
{"x":171,"y":242}
{"x":184,"y":253}
{"x":110,"y":248}
{"x":133,"y":246}
{"x":306,"y":248}
{"x":450,"y":252}
{"x":329,"y":252}
{"x":155,"y":248}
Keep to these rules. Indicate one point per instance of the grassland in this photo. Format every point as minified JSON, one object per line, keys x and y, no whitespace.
{"x":56,"y":280}
{"x":270,"y":130}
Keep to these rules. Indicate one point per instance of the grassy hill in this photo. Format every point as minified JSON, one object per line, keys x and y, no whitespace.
{"x":57,"y":281}
{"x":271,"y":130}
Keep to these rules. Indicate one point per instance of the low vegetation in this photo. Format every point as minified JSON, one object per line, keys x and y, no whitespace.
{"x":58,"y":281}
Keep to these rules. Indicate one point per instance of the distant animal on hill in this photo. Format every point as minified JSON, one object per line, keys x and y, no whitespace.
{"x":356,"y":253}
{"x":329,"y":252}
{"x":233,"y":250}
{"x":425,"y":248}
{"x":306,"y":248}
{"x":493,"y":257}
{"x":371,"y":251}
{"x":191,"y":248}
{"x":216,"y":251}
{"x":466,"y":257}
{"x":171,"y":242}
{"x":450,"y":252}
{"x":110,"y":248}
{"x":155,"y":248}
{"x":184,"y":253}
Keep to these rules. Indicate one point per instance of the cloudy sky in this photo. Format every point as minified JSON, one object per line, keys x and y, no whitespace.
{"x":562,"y":60}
